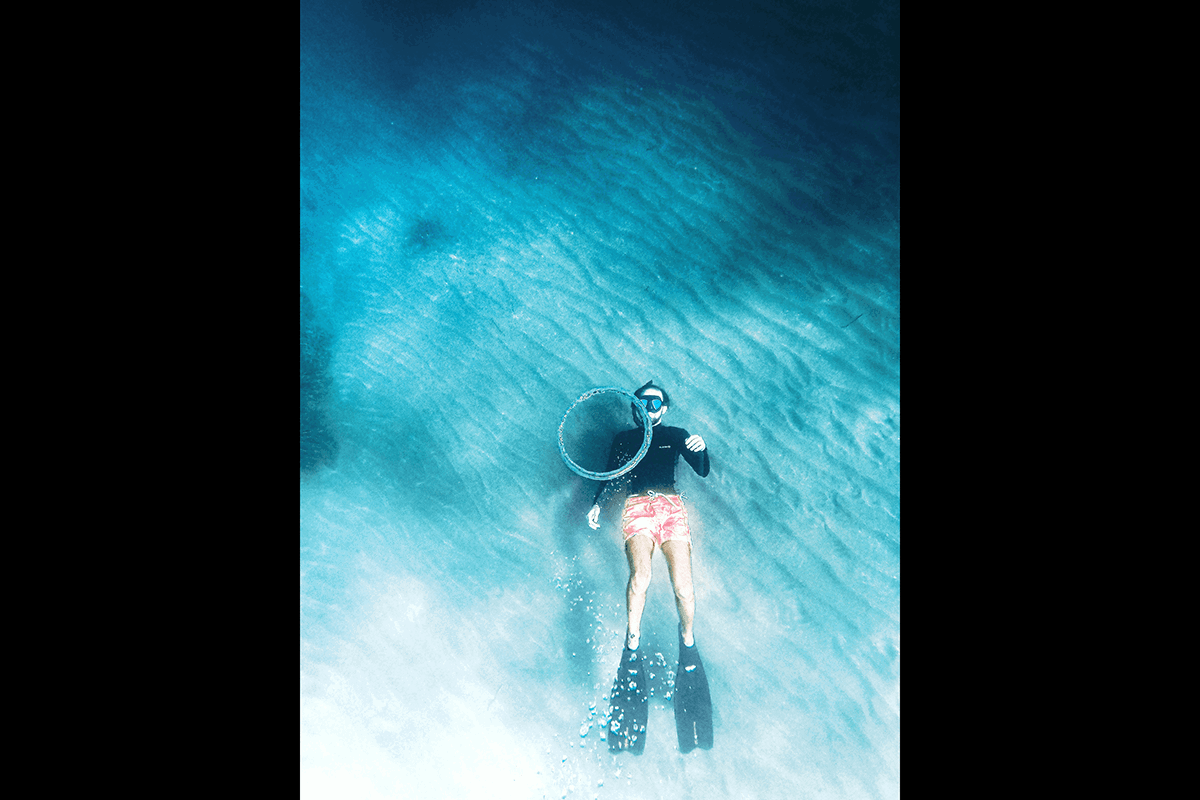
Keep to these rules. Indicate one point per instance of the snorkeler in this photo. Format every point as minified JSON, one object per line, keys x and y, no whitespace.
{"x":654,"y":516}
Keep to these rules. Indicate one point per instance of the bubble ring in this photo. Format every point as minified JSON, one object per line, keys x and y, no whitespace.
{"x":647,"y":427}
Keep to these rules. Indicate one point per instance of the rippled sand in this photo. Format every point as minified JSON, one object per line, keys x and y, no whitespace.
{"x":460,"y":623}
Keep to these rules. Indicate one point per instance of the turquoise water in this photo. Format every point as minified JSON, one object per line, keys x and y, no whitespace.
{"x":503,"y":205}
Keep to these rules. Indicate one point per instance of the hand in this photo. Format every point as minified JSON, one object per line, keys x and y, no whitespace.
{"x":695,"y":443}
{"x":594,"y":517}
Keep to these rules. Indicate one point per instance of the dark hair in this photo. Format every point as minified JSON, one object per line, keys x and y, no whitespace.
{"x":653,"y":385}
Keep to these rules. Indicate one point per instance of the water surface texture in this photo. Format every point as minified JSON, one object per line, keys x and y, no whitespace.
{"x":503,"y":205}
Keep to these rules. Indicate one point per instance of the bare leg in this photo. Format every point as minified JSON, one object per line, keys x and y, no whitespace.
{"x":638,"y":549}
{"x":679,"y":562}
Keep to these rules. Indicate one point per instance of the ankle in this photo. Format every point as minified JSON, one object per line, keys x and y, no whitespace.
{"x":631,"y":640}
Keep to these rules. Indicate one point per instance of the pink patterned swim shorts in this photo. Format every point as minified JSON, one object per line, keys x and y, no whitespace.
{"x":659,"y":516}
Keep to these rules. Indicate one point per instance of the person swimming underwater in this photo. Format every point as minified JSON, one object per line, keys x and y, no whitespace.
{"x":654,"y":515}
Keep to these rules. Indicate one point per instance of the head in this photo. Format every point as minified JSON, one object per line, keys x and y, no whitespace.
{"x":652,"y":395}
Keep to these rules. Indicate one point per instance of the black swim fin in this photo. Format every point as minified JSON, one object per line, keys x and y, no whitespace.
{"x":629,"y":706}
{"x":693,"y":705}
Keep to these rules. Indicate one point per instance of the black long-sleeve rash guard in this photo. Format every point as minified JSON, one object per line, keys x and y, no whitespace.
{"x":656,"y":470}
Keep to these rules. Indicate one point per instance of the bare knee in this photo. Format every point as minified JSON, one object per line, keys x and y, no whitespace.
{"x":639,"y":581}
{"x":684,"y":593}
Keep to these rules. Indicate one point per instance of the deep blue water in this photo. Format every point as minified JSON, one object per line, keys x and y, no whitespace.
{"x":503,"y":205}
